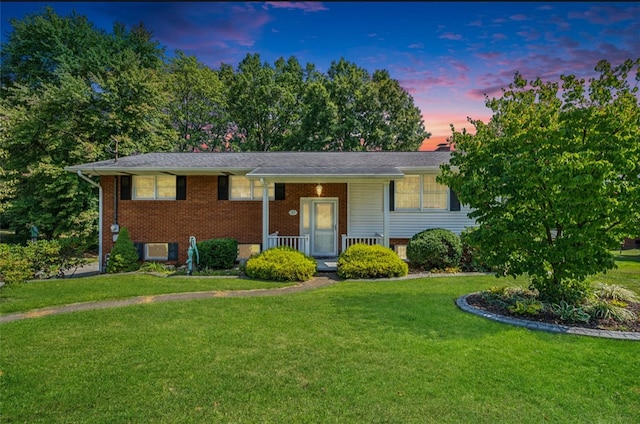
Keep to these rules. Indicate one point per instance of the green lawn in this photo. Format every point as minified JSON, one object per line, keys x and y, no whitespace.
{"x":55,"y":292}
{"x":354,"y":352}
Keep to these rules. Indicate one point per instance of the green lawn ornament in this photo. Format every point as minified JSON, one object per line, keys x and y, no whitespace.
{"x":192,"y":248}
{"x":34,"y":233}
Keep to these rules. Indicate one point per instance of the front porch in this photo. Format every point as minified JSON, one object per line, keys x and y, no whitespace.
{"x":327,"y":264}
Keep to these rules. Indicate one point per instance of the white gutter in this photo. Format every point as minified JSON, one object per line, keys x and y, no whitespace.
{"x":93,"y":183}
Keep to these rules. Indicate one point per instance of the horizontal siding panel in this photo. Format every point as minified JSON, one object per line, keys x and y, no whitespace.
{"x":406,"y":224}
{"x":366,"y":215}
{"x":365,"y":209}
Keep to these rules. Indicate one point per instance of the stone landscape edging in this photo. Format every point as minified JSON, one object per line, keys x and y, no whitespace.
{"x":462,"y":303}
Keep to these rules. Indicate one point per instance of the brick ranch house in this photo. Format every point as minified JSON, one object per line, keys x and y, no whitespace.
{"x":317,"y":202}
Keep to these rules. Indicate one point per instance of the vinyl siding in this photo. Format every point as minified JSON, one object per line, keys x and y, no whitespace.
{"x":366,"y":213}
{"x":365,"y":209}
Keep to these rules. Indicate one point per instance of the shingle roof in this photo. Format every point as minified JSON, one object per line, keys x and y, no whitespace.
{"x":347,"y":164}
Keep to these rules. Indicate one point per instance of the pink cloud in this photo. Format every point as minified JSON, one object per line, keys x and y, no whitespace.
{"x":606,"y":14}
{"x":518,"y":17}
{"x":499,"y":36}
{"x":306,"y":6}
{"x":450,"y":36}
{"x":529,"y":35}
{"x":488,"y":55}
{"x":416,"y":46}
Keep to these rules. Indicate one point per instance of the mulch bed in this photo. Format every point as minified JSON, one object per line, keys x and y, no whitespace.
{"x":478,"y":302}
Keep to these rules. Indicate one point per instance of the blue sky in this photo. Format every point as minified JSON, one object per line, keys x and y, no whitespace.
{"x":446,"y":54}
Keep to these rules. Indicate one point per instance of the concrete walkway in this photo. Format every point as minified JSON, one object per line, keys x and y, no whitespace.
{"x":320,"y":280}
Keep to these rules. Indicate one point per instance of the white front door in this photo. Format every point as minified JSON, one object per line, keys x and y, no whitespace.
{"x":319,"y":220}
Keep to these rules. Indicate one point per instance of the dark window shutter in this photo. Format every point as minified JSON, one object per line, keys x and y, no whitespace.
{"x":140,"y":249}
{"x":125,"y":187}
{"x":223,"y":187}
{"x":279,"y":191}
{"x":173,"y":251}
{"x":181,"y":187}
{"x":392,"y":196}
{"x":454,"y":203}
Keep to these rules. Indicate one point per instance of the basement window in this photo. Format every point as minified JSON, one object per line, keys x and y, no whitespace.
{"x":156,"y":251}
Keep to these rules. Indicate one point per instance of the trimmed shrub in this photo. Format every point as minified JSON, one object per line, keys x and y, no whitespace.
{"x":42,"y":259}
{"x":220,"y":253}
{"x":14,"y":265}
{"x":365,"y":261}
{"x":281,"y":264}
{"x":124,"y":255}
{"x":434,"y":248}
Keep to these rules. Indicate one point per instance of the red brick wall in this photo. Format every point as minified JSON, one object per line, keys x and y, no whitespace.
{"x":204,"y":216}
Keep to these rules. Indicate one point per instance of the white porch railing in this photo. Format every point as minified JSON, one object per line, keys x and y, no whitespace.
{"x":300,"y":243}
{"x":351,"y":240}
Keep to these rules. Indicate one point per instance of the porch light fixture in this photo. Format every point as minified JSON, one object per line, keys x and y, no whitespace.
{"x":319,"y":190}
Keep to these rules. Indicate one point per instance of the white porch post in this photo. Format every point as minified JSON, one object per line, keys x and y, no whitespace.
{"x":385,"y":214}
{"x":265,"y":214}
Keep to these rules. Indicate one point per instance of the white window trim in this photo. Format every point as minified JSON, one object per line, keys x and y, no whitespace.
{"x":421,"y":194}
{"x":134,"y":195}
{"x":155,"y":258}
{"x":254,"y":196}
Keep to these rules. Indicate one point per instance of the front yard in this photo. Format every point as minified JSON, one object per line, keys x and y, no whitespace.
{"x":354,"y":352}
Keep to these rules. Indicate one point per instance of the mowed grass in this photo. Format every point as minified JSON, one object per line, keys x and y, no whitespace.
{"x":56,"y":292}
{"x":354,"y":352}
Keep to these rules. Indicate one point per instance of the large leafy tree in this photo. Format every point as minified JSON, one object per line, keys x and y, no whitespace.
{"x":198,"y":105}
{"x":373,"y":111}
{"x":554,"y":177}
{"x":263,"y":103}
{"x":72,"y":93}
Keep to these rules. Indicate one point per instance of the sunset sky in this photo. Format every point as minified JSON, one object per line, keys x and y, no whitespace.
{"x":447,"y":55}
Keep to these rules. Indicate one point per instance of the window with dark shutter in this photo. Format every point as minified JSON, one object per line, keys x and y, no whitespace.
{"x":454,"y":203}
{"x":392,"y":196}
{"x":125,"y":187}
{"x":223,"y":187}
{"x":140,"y":249}
{"x":181,"y":187}
{"x":279,"y":191}
{"x":173,"y":252}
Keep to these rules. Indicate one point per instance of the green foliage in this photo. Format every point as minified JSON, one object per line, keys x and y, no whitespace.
{"x":614,"y":292}
{"x":370,"y":261}
{"x":42,"y":259}
{"x":65,"y":102}
{"x":572,"y":291}
{"x":281,"y":264}
{"x":220,"y":253}
{"x":14,"y":264}
{"x":570,"y":313}
{"x":198,"y":104}
{"x":434,"y":248}
{"x":552,"y":178}
{"x":527,"y":307}
{"x":346,"y":109}
{"x":124,"y":255}
{"x":471,"y":257}
{"x":605,"y":310}
{"x":156,"y":267}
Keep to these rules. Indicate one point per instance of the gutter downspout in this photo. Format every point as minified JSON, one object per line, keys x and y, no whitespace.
{"x":93,"y":183}
{"x":265,"y":215}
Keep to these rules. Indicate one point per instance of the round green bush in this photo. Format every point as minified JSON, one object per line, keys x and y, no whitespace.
{"x":124,"y":255}
{"x":365,"y":261}
{"x":281,"y":264}
{"x":434,"y":248}
{"x":220,"y":253}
